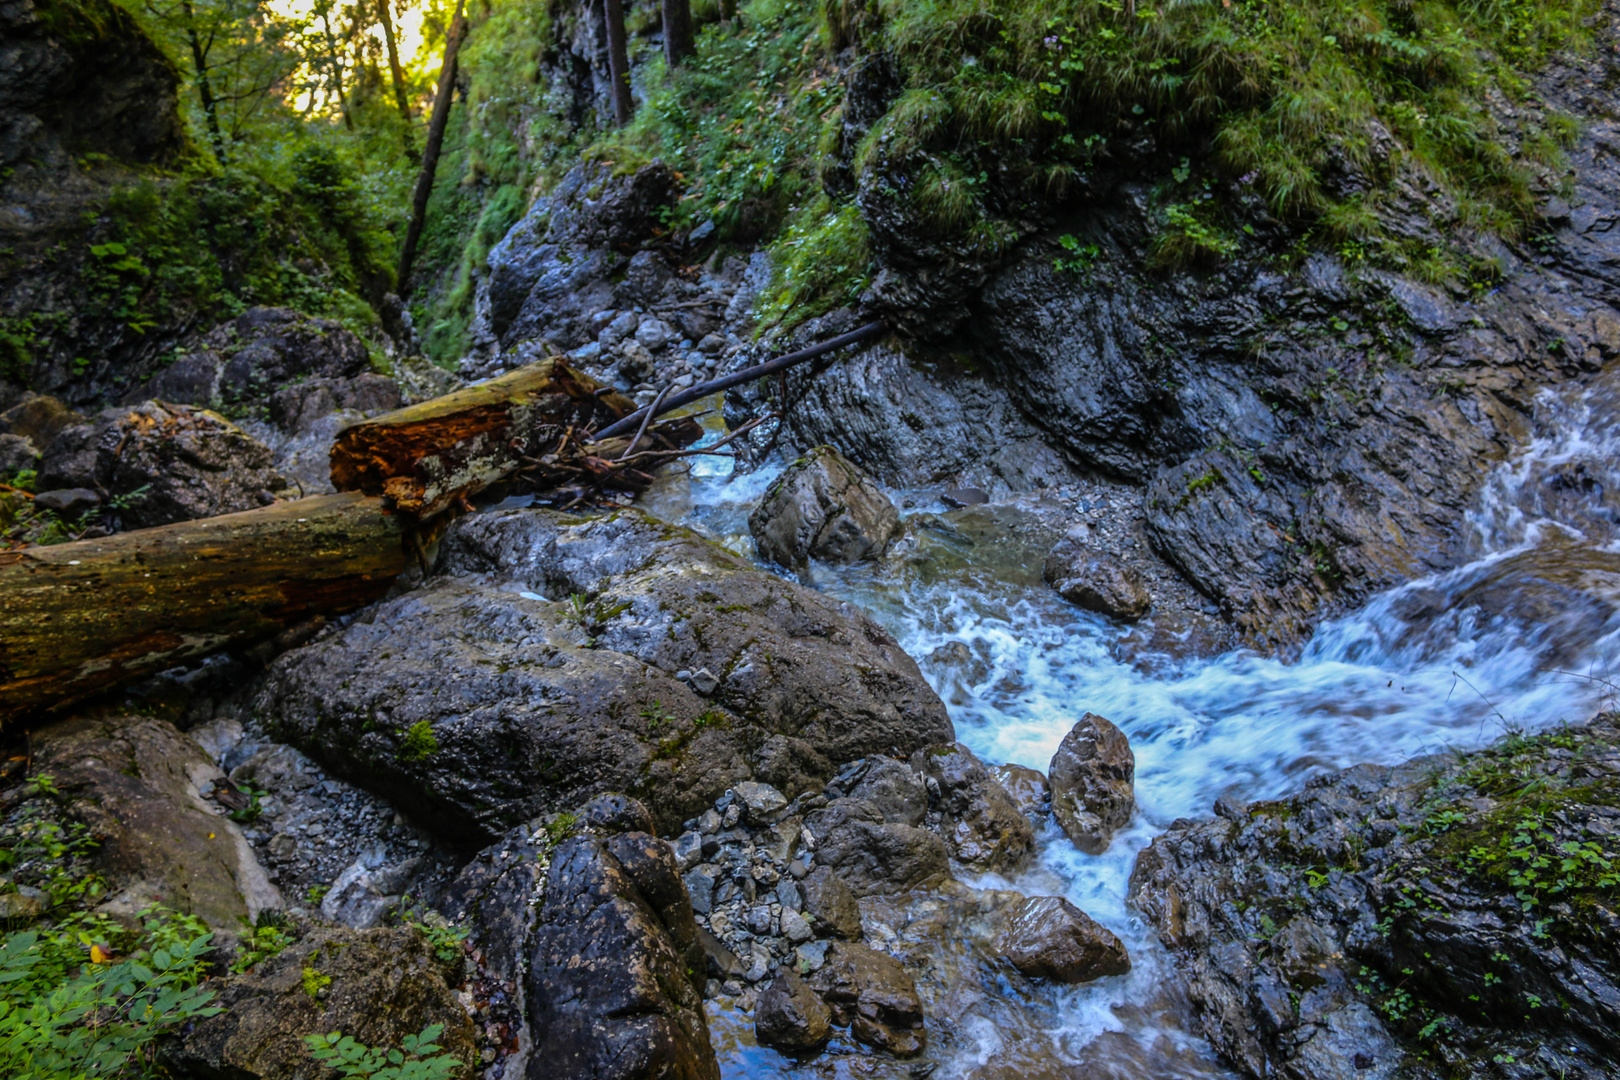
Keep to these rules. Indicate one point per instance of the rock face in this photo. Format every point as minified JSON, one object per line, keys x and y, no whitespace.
{"x":1424,"y":936}
{"x":375,"y":985}
{"x":874,"y":997}
{"x":521,"y":704}
{"x":823,"y":507}
{"x":1097,"y":582}
{"x":168,"y":463}
{"x":610,"y":993}
{"x":1049,"y":938}
{"x":137,"y":783}
{"x":1093,"y":776}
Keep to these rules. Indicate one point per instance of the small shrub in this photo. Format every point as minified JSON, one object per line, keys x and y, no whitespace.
{"x":418,"y":743}
{"x":418,"y":1057}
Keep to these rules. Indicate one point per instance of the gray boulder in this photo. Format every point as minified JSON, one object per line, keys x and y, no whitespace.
{"x":1097,"y":581}
{"x":542,"y":669}
{"x":832,"y":905}
{"x":168,"y":463}
{"x":1093,"y":778}
{"x":616,"y":969}
{"x":823,"y":507}
{"x":1047,"y":937}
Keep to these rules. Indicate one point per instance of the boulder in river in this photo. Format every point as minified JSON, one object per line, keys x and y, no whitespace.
{"x":1047,"y":937}
{"x":831,"y":904}
{"x":871,"y":994}
{"x":1097,"y":581}
{"x":540,"y":669}
{"x":823,"y":507}
{"x":874,"y":855}
{"x":790,"y":1017}
{"x":980,"y":820}
{"x":1093,"y":775}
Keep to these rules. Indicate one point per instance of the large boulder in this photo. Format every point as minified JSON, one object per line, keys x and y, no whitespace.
{"x":541,"y":669}
{"x":1049,"y":938}
{"x":790,"y":1017}
{"x":1097,"y":581}
{"x":137,"y":783}
{"x":162,"y":464}
{"x":376,"y":986}
{"x":1453,"y":916}
{"x":1093,"y":778}
{"x":616,"y":967}
{"x":823,"y":507}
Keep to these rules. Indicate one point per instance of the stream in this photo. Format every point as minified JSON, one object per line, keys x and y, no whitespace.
{"x":1524,"y":635}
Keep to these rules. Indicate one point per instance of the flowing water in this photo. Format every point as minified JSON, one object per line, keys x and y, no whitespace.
{"x":1526,"y":635}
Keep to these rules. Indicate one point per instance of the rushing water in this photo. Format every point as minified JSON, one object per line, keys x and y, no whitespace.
{"x":1524,"y":635}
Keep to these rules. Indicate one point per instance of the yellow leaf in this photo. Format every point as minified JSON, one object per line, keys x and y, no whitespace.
{"x":98,"y":955}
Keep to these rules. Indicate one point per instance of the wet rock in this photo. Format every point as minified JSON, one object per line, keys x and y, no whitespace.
{"x":898,"y":791}
{"x":700,"y":885}
{"x":68,"y":503}
{"x":984,"y":826}
{"x":168,"y":463}
{"x":1049,"y":938}
{"x":790,"y":1017}
{"x":823,"y":507}
{"x":1092,"y":777}
{"x":1097,"y":581}
{"x":1027,"y":787}
{"x":874,"y":996}
{"x":535,"y":705}
{"x":377,"y":986}
{"x":617,"y":967}
{"x":830,"y":904}
{"x":493,"y":897}
{"x":367,"y":890}
{"x":795,"y":927}
{"x":137,"y":782}
{"x":1294,"y":972}
{"x":613,"y":813}
{"x":873,"y":855}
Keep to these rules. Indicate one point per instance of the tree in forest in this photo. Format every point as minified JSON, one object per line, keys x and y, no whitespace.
{"x":397,"y":72}
{"x":678,"y":43}
{"x":618,"y":62}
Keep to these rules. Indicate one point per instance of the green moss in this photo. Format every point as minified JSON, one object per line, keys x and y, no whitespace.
{"x":417,"y":744}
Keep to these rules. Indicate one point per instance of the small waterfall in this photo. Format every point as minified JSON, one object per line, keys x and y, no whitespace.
{"x":1525,"y":635}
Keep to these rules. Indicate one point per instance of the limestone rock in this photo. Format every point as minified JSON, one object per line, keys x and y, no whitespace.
{"x":874,"y":996}
{"x":1093,"y":775}
{"x":981,"y":822}
{"x":1048,"y":937}
{"x":169,"y":463}
{"x":375,"y":985}
{"x":1097,"y":581}
{"x":535,"y":705}
{"x":823,"y":507}
{"x":135,"y":781}
{"x":617,"y":966}
{"x":790,"y":1017}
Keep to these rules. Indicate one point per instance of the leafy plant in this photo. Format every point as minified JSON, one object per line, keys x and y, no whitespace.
{"x":418,"y":743}
{"x":417,"y":1058}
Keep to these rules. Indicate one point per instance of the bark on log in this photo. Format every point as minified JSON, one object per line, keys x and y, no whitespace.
{"x":425,"y":458}
{"x":79,"y":619}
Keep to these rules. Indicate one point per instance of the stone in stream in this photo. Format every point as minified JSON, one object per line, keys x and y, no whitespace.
{"x":521,"y":705}
{"x":1092,"y":776}
{"x":874,"y":996}
{"x":790,"y":1017}
{"x":829,"y":902}
{"x":873,"y":855}
{"x":823,"y":507}
{"x":980,"y":820}
{"x":1029,"y":789}
{"x":1049,"y":938}
{"x":1097,"y":581}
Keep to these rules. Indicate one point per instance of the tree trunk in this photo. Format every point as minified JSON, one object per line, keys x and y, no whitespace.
{"x":337,"y":68}
{"x":442,"y":100}
{"x":85,"y":617}
{"x":426,"y":458}
{"x":677,"y":32}
{"x":205,"y":87}
{"x":728,"y":10}
{"x":624,"y":106}
{"x":397,"y":73}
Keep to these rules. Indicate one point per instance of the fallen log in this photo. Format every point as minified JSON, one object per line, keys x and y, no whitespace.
{"x":428,"y":457}
{"x":82,"y":618}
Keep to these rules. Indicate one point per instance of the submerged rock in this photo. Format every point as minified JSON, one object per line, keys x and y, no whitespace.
{"x":823,"y":507}
{"x":483,"y":700}
{"x":1049,"y":938}
{"x":1097,"y":581}
{"x":1092,"y":776}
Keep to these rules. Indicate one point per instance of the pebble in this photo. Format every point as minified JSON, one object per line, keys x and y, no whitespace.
{"x":766,"y":875}
{"x":795,"y":927}
{"x":812,"y":955}
{"x":703,"y":681}
{"x":688,"y":850}
{"x":733,"y":815}
{"x":798,"y":869}
{"x":790,"y":896}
